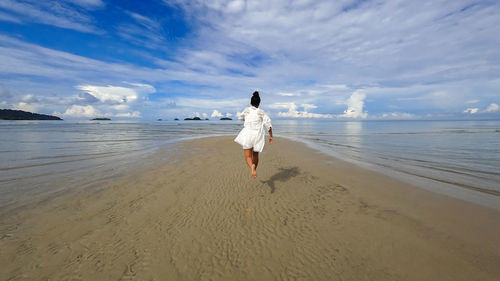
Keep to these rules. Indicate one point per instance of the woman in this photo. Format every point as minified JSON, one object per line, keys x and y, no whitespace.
{"x":251,"y":137}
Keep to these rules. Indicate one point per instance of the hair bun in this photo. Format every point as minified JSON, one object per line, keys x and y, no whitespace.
{"x":256,"y":94}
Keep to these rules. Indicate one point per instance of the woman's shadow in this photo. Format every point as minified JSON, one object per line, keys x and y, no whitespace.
{"x":283,"y":175}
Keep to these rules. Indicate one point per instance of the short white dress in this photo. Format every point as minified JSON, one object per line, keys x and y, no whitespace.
{"x":253,"y":134}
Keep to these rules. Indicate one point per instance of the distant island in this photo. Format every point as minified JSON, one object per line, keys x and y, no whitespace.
{"x":9,"y":114}
{"x":194,"y":118}
{"x":226,"y":118}
{"x":101,"y":119}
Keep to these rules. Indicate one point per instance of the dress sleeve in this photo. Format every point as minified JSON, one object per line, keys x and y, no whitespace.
{"x":267,"y":121}
{"x":241,"y":115}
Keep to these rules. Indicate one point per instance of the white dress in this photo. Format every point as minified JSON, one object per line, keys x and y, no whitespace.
{"x":253,"y":134}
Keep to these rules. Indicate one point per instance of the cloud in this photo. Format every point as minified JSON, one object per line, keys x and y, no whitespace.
{"x":118,"y":101}
{"x":407,"y":56}
{"x":211,"y":103}
{"x":10,"y":18}
{"x":398,"y":115}
{"x":492,"y":108}
{"x":216,"y":113}
{"x":235,"y":6}
{"x":135,"y":114}
{"x":307,"y":106}
{"x":472,"y":110}
{"x":355,"y":105}
{"x":294,"y":113}
{"x":118,"y":94}
{"x":89,"y":111}
{"x":143,"y":31}
{"x":89,"y":4}
{"x":229,"y":114}
{"x":25,"y":106}
{"x":55,"y":13}
{"x":80,"y":111}
{"x":288,"y":94}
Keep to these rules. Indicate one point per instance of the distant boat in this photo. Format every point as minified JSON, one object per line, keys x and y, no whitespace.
{"x":101,"y":119}
{"x":226,"y":118}
{"x":9,"y":114}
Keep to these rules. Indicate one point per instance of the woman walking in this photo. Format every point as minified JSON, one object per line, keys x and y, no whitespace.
{"x":251,"y":137}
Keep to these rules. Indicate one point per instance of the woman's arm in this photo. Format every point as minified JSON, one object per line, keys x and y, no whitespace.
{"x":267,"y":123}
{"x":241,"y":115}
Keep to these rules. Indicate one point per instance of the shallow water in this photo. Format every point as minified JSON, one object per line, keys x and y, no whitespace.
{"x":38,"y":157}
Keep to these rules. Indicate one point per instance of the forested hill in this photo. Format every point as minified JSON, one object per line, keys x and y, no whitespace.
{"x":9,"y":114}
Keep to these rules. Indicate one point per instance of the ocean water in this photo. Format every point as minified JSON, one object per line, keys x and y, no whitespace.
{"x":457,"y":158}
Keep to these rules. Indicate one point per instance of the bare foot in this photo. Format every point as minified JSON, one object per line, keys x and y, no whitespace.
{"x":254,"y":172}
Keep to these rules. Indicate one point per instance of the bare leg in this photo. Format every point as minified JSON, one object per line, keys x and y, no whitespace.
{"x":248,"y":158}
{"x":255,"y":159}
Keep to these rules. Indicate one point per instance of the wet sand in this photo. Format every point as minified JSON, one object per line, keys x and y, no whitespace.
{"x":201,"y":216}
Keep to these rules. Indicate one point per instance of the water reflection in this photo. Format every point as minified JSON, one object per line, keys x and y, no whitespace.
{"x":354,"y":138}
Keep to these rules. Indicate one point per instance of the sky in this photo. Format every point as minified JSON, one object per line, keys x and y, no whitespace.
{"x":344,"y":59}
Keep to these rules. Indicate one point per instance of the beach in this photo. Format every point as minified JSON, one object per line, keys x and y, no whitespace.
{"x":198,"y":215}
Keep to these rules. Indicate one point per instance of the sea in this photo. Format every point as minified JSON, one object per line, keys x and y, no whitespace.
{"x":41,"y":159}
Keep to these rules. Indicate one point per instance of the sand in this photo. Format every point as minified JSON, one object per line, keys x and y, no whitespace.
{"x":201,"y":216}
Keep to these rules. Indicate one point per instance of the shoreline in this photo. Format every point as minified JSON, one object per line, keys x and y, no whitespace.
{"x":307,"y":215}
{"x":461,"y":191}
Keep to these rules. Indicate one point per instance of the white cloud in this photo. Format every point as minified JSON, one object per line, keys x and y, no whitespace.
{"x":7,"y":17}
{"x":325,"y":47}
{"x":117,"y":94}
{"x":229,"y":115}
{"x":288,"y":94}
{"x":120,"y":107}
{"x":89,"y":111}
{"x":492,"y":108}
{"x":143,"y":31}
{"x":308,"y":107}
{"x":236,"y":6}
{"x":337,"y":87}
{"x":294,"y":113}
{"x":204,"y":115}
{"x":398,"y":115}
{"x":216,"y":113}
{"x":283,"y":105}
{"x":212,"y":103}
{"x":135,"y":114}
{"x":92,"y":4}
{"x":25,"y":107}
{"x":472,"y":110}
{"x":355,"y":105}
{"x":80,"y":111}
{"x":52,"y":13}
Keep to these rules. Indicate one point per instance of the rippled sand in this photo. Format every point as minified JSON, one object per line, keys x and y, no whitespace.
{"x":201,"y":216}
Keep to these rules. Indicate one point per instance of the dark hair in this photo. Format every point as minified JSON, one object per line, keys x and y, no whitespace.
{"x":255,"y":101}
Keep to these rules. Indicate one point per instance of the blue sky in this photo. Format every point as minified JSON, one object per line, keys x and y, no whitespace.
{"x":347,"y":59}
